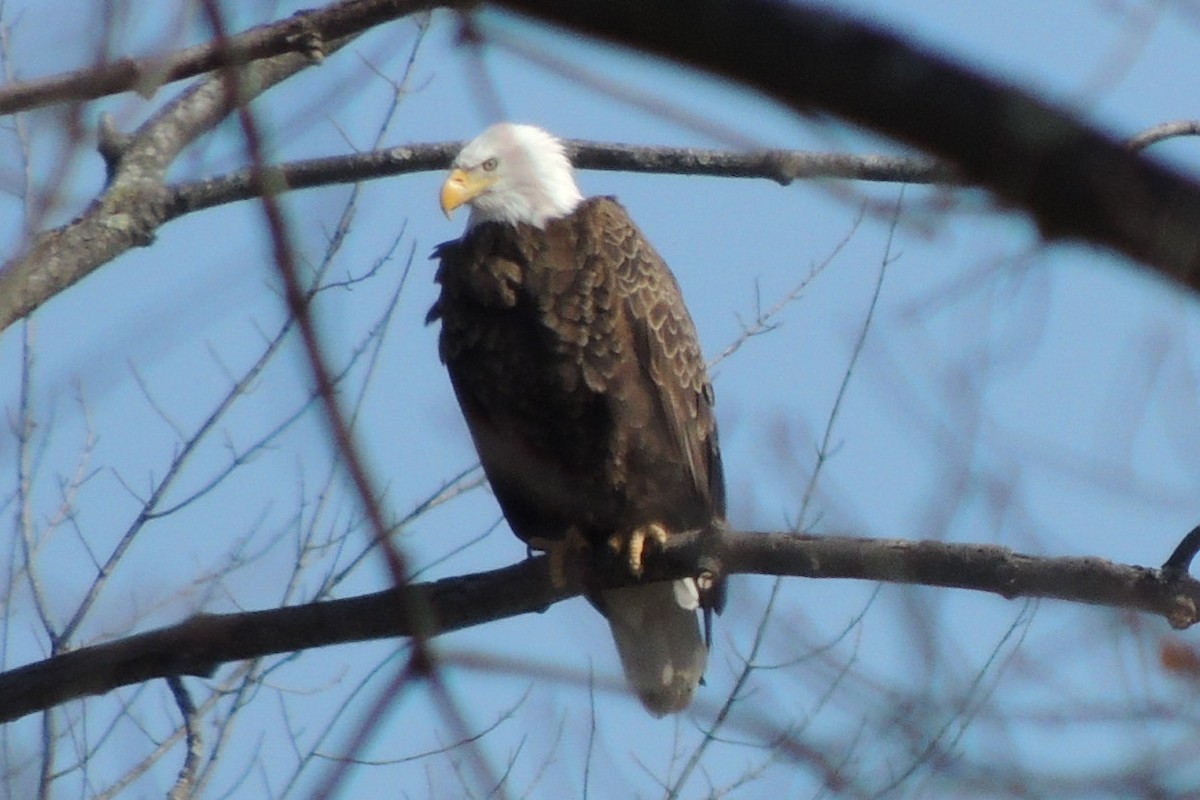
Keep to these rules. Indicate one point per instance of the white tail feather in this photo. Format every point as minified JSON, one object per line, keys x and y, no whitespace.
{"x":659,"y":641}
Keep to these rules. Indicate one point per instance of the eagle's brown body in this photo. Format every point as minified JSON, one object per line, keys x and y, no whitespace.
{"x":578,"y":370}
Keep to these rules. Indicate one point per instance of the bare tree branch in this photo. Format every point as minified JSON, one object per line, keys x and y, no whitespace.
{"x":1160,"y":133}
{"x":305,"y":34}
{"x":201,"y":644}
{"x":185,"y":783}
{"x":781,"y":166}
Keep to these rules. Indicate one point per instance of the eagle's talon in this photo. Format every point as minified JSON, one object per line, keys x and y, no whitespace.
{"x":636,"y":545}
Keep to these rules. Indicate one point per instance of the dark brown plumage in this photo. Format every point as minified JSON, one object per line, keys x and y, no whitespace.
{"x":578,"y":371}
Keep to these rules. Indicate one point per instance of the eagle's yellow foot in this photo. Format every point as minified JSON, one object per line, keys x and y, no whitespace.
{"x":558,"y":550}
{"x":635,"y":544}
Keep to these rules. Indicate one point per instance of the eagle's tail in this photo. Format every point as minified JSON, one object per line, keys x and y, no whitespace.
{"x":659,"y":641}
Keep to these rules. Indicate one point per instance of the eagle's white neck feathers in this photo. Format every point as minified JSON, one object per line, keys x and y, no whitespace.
{"x":531,"y":177}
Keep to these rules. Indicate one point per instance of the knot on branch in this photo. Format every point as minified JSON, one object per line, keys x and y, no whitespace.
{"x":113,"y":144}
{"x":1183,"y":612}
{"x":778,"y":166}
{"x":308,"y":42}
{"x":132,"y":210}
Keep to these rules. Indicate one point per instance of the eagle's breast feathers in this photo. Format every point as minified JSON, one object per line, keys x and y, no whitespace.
{"x":571,"y":352}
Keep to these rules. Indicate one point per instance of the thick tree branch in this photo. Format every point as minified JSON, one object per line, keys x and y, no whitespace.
{"x":304,"y":33}
{"x":1074,"y":180}
{"x":781,"y":166}
{"x":201,"y":644}
{"x":204,"y":642}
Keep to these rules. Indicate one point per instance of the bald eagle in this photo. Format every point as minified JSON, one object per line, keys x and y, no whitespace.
{"x":577,"y":368}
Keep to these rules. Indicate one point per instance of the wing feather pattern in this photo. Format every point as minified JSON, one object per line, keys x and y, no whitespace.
{"x":668,"y":349}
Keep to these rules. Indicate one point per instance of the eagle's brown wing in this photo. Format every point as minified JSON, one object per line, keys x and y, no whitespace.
{"x":667,"y":348}
{"x":656,"y":321}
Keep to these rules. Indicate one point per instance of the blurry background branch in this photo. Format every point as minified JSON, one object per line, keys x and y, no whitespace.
{"x":1075,"y":181}
{"x":201,"y":644}
{"x":306,"y":34}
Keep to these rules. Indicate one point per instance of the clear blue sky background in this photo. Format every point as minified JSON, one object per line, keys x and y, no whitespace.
{"x":1037,"y":397}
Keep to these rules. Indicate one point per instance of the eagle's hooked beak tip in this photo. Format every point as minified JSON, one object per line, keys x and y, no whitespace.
{"x":455,"y":191}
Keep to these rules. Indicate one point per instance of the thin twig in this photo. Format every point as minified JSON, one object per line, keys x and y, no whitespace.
{"x":185,"y":783}
{"x":1160,"y":133}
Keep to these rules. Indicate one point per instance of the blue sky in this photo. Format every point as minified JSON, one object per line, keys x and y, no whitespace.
{"x":1009,"y":392}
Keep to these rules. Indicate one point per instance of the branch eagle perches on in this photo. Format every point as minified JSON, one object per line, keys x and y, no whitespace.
{"x":201,"y":644}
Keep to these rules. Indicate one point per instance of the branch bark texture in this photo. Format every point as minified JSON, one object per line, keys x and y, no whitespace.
{"x":199,"y":645}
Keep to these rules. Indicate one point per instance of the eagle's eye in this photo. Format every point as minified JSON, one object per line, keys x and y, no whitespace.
{"x":490,"y":164}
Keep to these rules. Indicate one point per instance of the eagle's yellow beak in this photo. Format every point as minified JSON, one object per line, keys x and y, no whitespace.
{"x":462,"y":187}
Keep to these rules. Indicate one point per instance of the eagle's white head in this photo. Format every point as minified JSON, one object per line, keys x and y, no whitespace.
{"x":512,"y":173}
